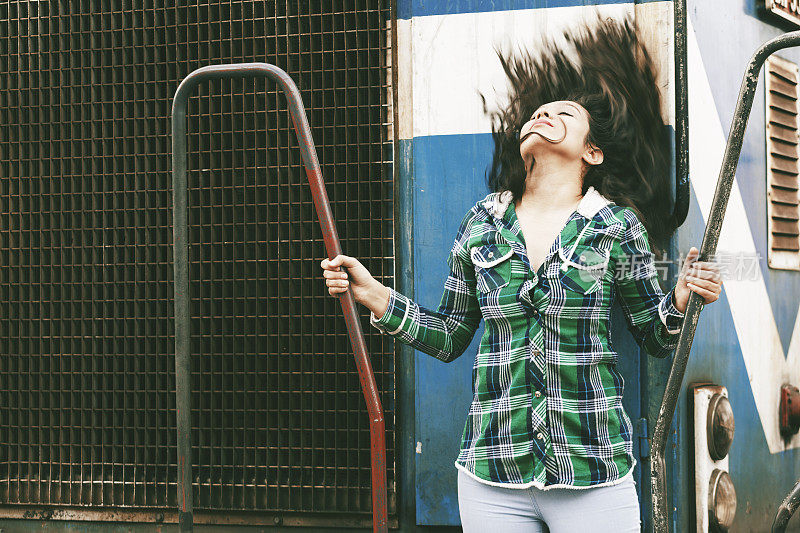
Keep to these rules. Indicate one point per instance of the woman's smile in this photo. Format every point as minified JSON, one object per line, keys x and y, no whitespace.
{"x":538,"y":122}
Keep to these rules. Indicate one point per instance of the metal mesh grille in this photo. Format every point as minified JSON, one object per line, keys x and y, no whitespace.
{"x":87,"y":373}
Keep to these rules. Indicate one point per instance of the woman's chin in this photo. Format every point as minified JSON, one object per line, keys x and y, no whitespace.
{"x":545,"y":151}
{"x":535,"y":145}
{"x":532,"y":141}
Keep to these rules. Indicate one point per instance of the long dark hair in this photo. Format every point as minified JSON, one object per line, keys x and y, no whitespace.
{"x":607,"y":70}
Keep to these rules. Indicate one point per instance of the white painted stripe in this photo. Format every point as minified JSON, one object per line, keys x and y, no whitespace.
{"x":405,"y":54}
{"x":455,"y":59}
{"x":763,"y":353}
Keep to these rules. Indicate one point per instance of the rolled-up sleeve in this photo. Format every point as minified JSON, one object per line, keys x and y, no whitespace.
{"x":652,"y":317}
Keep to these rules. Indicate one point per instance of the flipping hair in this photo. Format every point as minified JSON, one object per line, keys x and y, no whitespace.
{"x":613,"y":78}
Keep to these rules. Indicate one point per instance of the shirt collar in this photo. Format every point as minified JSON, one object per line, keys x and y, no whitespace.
{"x":499,"y":207}
{"x":497,"y":204}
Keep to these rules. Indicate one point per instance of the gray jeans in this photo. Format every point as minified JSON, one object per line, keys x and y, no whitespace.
{"x":489,"y":509}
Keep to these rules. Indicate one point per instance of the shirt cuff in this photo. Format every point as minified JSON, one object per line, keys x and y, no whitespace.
{"x":669,"y":314}
{"x":395,"y":316}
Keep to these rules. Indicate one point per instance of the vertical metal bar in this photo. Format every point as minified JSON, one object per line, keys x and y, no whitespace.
{"x":658,"y":482}
{"x":681,"y":207}
{"x":405,"y":415}
{"x":181,"y":262}
{"x":183,"y":386}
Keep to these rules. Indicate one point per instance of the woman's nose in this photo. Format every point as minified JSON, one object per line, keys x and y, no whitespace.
{"x":542,"y":114}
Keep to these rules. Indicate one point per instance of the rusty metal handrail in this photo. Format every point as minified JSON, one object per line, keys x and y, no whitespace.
{"x":733,"y":148}
{"x":181,"y":266}
{"x":786,"y":509}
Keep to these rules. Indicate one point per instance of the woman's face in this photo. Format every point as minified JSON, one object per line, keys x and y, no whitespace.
{"x":558,"y":128}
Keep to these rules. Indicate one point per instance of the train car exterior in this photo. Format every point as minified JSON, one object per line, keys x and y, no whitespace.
{"x":393,"y":93}
{"x":450,"y":150}
{"x":763,"y":462}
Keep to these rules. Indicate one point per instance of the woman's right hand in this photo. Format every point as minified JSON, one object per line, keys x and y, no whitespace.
{"x":366,"y":290}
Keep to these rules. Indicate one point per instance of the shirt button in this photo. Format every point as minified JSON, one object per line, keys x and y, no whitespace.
{"x":491,"y":254}
{"x":539,"y":436}
{"x":538,"y":394}
{"x":535,"y":313}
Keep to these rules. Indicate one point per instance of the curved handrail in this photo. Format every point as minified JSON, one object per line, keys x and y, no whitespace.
{"x":786,"y":509}
{"x":733,"y":148}
{"x":181,"y":266}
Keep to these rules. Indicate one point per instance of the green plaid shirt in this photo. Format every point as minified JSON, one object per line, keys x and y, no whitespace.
{"x":547,"y":395}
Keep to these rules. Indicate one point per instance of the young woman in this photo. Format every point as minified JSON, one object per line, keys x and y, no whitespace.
{"x":579,"y":175}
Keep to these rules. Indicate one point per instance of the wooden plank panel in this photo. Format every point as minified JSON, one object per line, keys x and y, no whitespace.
{"x":787,"y":212}
{"x":787,"y":73}
{"x":783,"y":196}
{"x":782,"y":180}
{"x":782,"y":101}
{"x":783,"y":118}
{"x":785,"y":227}
{"x":783,"y":165}
{"x":782,"y":133}
{"x":777,"y":85}
{"x":787,"y":151}
{"x":780,"y":242}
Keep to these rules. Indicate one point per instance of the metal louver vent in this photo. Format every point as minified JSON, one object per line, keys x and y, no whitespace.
{"x":783,"y":170}
{"x":87,"y":381}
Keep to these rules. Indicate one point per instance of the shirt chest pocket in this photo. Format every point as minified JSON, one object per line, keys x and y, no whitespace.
{"x":492,"y":266}
{"x":583,"y":269}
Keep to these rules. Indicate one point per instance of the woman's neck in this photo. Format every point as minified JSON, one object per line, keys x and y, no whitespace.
{"x":551,"y":188}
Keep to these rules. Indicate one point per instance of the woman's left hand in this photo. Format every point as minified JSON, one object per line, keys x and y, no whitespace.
{"x":702,"y":277}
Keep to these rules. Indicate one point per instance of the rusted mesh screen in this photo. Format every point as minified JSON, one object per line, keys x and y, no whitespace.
{"x":86,"y":327}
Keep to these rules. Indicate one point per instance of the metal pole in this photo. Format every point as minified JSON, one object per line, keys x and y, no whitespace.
{"x":332,"y":246}
{"x":183,"y":385}
{"x":733,"y":148}
{"x":681,"y":207}
{"x":787,"y":509}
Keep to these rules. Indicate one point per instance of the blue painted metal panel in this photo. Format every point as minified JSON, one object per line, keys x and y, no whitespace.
{"x":405,"y":374}
{"x":448,"y":180}
{"x":421,"y":8}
